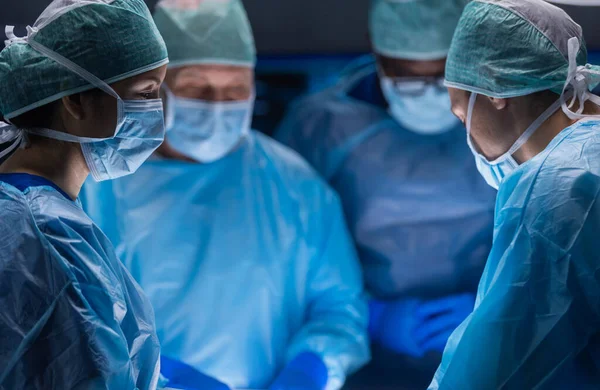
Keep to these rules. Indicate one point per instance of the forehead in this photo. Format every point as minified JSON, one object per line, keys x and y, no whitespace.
{"x":211,"y":73}
{"x":401,"y":67}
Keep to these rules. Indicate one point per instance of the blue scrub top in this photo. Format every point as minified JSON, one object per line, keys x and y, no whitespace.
{"x":23,"y":181}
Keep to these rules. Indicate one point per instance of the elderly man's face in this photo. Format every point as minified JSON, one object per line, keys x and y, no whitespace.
{"x":213,"y":83}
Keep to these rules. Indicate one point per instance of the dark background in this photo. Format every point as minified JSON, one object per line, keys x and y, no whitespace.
{"x":300,"y":26}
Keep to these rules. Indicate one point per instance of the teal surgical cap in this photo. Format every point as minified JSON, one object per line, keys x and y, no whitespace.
{"x":509,"y":48}
{"x":414,"y":29}
{"x":206,"y":32}
{"x":112,"y":39}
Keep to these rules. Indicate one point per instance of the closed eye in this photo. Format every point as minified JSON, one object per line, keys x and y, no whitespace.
{"x":149,"y":95}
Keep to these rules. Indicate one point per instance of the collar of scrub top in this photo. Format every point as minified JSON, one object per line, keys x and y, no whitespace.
{"x":23,"y":181}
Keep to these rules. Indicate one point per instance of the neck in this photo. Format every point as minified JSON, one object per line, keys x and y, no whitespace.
{"x":548,"y":131}
{"x":59,"y":162}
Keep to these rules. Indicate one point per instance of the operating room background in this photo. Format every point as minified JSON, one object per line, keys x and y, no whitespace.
{"x":303,"y":44}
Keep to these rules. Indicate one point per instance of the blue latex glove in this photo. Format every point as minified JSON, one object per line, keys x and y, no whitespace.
{"x":414,"y":327}
{"x":392,"y":324}
{"x":182,"y":376}
{"x":440,"y":317}
{"x":306,"y":372}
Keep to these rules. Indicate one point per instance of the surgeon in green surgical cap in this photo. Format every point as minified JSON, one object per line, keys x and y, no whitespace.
{"x":241,"y":247}
{"x":81,"y":92}
{"x":421,"y":216}
{"x":518,"y":77}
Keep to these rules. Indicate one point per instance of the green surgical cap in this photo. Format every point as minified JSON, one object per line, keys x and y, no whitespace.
{"x":414,"y":29}
{"x":206,"y":32}
{"x":509,"y":48}
{"x":112,"y":39}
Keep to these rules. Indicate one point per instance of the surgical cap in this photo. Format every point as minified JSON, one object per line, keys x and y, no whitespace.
{"x":509,"y":48}
{"x":206,"y":32}
{"x":112,"y":39}
{"x":414,"y":29}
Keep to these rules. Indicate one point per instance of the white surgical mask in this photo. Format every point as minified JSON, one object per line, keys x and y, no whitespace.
{"x":494,"y":172}
{"x":140,"y":129}
{"x":207,"y":131}
{"x":428,"y":112}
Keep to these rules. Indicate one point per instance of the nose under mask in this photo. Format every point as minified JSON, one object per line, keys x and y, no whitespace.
{"x":207,"y":131}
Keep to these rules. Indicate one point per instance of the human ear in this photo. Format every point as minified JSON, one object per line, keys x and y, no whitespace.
{"x":73,"y":106}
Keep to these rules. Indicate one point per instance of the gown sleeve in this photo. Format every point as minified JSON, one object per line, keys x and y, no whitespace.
{"x":336,"y":321}
{"x":539,"y":297}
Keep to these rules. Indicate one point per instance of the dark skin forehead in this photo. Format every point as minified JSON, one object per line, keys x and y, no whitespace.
{"x":394,"y":67}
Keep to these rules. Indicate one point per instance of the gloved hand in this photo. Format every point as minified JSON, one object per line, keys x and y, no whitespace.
{"x":392,"y":324}
{"x":182,"y":376}
{"x":440,"y":317}
{"x":306,"y":372}
{"x":414,"y":327}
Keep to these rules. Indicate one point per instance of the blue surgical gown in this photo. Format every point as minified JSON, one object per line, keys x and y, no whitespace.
{"x":419,"y":211}
{"x":536,"y":324}
{"x":247,"y":262}
{"x":71,"y":316}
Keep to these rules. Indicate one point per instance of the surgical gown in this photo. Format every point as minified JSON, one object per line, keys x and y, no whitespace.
{"x":419,"y":212}
{"x":536,"y":324}
{"x":247,"y":262}
{"x":71,"y":316}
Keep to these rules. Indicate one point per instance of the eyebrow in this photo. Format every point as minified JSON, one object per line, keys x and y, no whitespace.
{"x":147,"y":81}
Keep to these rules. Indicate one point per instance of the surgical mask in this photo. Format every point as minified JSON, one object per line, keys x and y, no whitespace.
{"x":206,"y":131}
{"x":427,"y":112}
{"x":139,"y":131}
{"x":494,"y":172}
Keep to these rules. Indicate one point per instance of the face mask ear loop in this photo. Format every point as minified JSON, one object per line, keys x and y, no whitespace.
{"x":534,"y":126}
{"x":249,"y":115}
{"x":169,"y":107}
{"x":472,"y":101}
{"x":470,"y":110}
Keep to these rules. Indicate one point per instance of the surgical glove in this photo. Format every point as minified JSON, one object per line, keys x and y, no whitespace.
{"x":392,"y":324}
{"x":182,"y":376}
{"x":439,"y":318}
{"x":306,"y":372}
